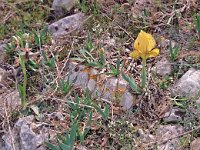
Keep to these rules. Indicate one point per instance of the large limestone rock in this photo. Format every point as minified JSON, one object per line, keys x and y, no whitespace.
{"x":66,"y":25}
{"x":23,"y":137}
{"x":101,"y":86}
{"x":188,"y":85}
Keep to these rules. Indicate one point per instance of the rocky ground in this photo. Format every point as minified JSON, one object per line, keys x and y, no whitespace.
{"x":61,"y":66}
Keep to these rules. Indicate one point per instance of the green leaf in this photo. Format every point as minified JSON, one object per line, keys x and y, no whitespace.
{"x":87,"y":129}
{"x":131,"y":82}
{"x":102,"y":58}
{"x":73,"y":134}
{"x":44,"y":56}
{"x":63,"y":146}
{"x":36,"y":38}
{"x":118,"y":64}
{"x":67,"y":140}
{"x":198,"y":25}
{"x":99,"y":110}
{"x":51,"y":146}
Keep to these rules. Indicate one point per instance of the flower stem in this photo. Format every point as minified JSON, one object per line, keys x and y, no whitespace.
{"x":144,"y":77}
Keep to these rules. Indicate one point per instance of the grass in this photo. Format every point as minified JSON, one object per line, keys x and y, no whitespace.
{"x":89,"y":121}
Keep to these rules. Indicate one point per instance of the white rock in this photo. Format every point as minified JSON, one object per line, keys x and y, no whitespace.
{"x":188,"y":85}
{"x":66,"y":25}
{"x":163,"y":67}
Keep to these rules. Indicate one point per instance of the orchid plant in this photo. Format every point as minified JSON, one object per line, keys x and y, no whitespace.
{"x":144,"y":47}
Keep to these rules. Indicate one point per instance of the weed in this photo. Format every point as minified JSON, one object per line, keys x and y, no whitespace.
{"x":198,"y":25}
{"x":65,"y":86}
{"x":131,"y":82}
{"x":87,"y":7}
{"x":164,"y":83}
{"x":99,"y":64}
{"x":22,"y":88}
{"x":10,"y":52}
{"x":80,"y":111}
{"x":115,"y":70}
{"x":66,"y":143}
{"x":174,"y":52}
{"x":180,"y":102}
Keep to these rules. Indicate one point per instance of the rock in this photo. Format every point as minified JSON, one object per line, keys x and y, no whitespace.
{"x":188,"y":85}
{"x":163,"y":67}
{"x":66,"y":25}
{"x":99,"y":85}
{"x":195,"y":144}
{"x":1,"y":52}
{"x":24,"y":137}
{"x":61,"y":7}
{"x":2,"y":75}
{"x":198,"y":102}
{"x":92,"y":83}
{"x":165,"y":132}
{"x":78,"y":75}
{"x":9,"y":101}
{"x":174,"y":115}
{"x":127,"y":100}
{"x":109,"y":89}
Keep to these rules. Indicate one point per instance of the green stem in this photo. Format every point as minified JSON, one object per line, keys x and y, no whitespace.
{"x":23,"y":90}
{"x":144,"y":77}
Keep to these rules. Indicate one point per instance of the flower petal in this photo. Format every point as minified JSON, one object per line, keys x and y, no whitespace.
{"x":141,"y":42}
{"x":153,"y":53}
{"x":151,"y":42}
{"x":135,"y":54}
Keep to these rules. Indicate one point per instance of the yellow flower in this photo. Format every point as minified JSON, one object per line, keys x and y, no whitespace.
{"x":144,"y":46}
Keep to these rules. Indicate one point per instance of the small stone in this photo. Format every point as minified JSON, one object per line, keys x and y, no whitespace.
{"x":141,"y":133}
{"x":127,"y":100}
{"x":2,"y":51}
{"x":173,"y":115}
{"x":195,"y":144}
{"x":66,"y":25}
{"x":163,"y":67}
{"x":188,"y":85}
{"x":61,"y":7}
{"x":198,"y":101}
